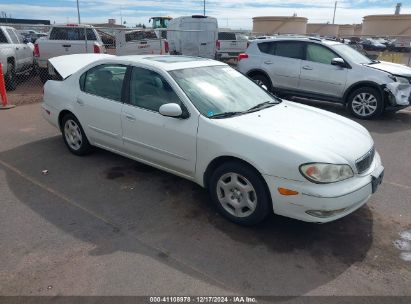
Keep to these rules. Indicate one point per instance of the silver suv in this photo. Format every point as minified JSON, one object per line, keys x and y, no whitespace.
{"x":327,"y":70}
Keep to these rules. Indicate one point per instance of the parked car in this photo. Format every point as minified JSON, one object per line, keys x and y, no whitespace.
{"x":373,"y":45}
{"x":16,"y":57}
{"x":193,"y":36}
{"x":31,"y":35}
{"x":140,"y":42}
{"x":228,"y":46}
{"x":64,"y":40}
{"x":327,"y":70}
{"x":204,"y":121}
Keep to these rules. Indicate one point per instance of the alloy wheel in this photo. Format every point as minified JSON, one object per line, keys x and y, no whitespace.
{"x":73,"y":135}
{"x":364,"y":104}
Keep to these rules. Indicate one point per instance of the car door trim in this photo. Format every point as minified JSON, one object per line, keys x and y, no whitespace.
{"x":139,"y":143}
{"x":105,"y":132}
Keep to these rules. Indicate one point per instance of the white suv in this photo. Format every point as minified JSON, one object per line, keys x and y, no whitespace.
{"x":327,"y":70}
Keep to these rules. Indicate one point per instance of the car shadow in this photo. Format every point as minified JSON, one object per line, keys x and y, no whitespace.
{"x":121,"y":205}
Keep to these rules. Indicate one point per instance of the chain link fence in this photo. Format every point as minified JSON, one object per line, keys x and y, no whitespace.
{"x":25,"y":49}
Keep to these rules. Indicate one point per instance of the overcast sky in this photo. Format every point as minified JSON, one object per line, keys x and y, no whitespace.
{"x":232,"y":13}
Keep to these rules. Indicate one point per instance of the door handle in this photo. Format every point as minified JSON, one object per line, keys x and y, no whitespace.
{"x":268,"y":62}
{"x":130,"y":116}
{"x":308,"y":68}
{"x":80,"y":102}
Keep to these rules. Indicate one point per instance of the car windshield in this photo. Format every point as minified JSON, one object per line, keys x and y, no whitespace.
{"x":351,"y":54}
{"x":217,"y":90}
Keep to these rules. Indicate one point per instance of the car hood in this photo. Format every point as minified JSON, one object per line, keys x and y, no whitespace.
{"x":317,"y":135}
{"x":393,"y":68}
{"x":69,"y":64}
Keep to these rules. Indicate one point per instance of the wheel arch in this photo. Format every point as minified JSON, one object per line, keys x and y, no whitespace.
{"x":218,"y":161}
{"x":361,"y":84}
{"x":62,"y":114}
{"x":253,"y":72}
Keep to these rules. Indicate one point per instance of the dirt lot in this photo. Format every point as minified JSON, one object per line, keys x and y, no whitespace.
{"x":106,"y":225}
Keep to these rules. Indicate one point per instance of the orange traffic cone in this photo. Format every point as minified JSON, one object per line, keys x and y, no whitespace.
{"x":4,"y":102}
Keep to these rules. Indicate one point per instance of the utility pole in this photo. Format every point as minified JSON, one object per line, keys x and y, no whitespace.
{"x":335,"y":8}
{"x":78,"y":12}
{"x":204,"y":6}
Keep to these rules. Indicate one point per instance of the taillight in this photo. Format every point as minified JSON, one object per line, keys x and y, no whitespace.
{"x":242,"y":56}
{"x":96,"y":49}
{"x":217,"y":44}
{"x":36,"y":52}
{"x":166,"y":47}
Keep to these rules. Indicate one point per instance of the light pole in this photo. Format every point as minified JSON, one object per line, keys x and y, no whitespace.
{"x":78,"y":12}
{"x":335,"y":8}
{"x":204,"y":6}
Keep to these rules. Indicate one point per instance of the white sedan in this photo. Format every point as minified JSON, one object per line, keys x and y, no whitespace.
{"x":204,"y":121}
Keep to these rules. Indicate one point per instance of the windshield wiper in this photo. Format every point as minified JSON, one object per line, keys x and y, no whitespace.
{"x":262,"y":105}
{"x":225,"y":114}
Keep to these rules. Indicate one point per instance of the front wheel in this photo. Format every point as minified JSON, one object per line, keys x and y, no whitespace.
{"x":240,"y":194}
{"x":365,"y":103}
{"x":74,"y":136}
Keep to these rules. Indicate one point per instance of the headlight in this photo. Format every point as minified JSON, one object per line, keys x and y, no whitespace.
{"x":322,"y":173}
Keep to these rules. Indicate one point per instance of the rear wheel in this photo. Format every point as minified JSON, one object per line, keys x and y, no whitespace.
{"x":10,"y":77}
{"x":74,"y":136}
{"x":240,"y":194}
{"x":365,"y":103}
{"x":262,"y":81}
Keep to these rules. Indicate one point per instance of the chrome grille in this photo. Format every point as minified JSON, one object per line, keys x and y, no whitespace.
{"x":364,"y":163}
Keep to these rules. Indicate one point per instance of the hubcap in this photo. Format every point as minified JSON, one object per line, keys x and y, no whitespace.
{"x":364,"y":104}
{"x":236,"y":195}
{"x":73,"y":134}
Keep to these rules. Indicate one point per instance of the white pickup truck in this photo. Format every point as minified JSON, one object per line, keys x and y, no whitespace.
{"x":140,"y":42}
{"x":229,"y":46}
{"x":65,"y":40}
{"x":16,"y":57}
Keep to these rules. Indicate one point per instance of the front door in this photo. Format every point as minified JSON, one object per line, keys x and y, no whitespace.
{"x":318,"y":76}
{"x":166,"y":141}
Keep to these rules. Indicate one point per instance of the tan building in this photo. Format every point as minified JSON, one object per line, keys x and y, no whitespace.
{"x":386,"y":25}
{"x":346,"y":30}
{"x":323,"y":29}
{"x":357,"y":29}
{"x":270,"y":25}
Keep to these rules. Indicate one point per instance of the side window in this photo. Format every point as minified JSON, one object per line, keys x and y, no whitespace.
{"x":320,"y":54}
{"x":19,"y":39}
{"x":12,"y":36}
{"x":149,"y":90}
{"x":3,"y":38}
{"x":290,"y":49}
{"x":105,"y":81}
{"x":267,"y":47}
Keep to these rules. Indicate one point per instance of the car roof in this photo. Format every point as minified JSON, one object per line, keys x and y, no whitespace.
{"x":298,"y":38}
{"x":168,"y":62}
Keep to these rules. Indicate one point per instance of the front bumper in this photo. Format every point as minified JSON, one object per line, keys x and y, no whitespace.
{"x":334,"y":200}
{"x":398,"y":94}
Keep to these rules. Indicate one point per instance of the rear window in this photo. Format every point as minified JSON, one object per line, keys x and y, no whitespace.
{"x":71,"y":33}
{"x":290,"y":49}
{"x":136,"y":36}
{"x":226,"y":36}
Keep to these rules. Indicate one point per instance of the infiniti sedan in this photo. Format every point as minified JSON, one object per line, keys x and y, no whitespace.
{"x":204,"y":121}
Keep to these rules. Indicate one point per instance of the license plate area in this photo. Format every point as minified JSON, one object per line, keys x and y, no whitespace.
{"x":376,"y":181}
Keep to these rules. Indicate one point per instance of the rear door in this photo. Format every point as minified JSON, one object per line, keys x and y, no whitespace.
{"x":318,"y":76}
{"x":202,"y":41}
{"x":99,"y":104}
{"x":282,"y":62}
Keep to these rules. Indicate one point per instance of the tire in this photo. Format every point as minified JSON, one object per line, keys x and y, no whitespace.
{"x":365,"y":103}
{"x":44,"y":75}
{"x":261,"y":80}
{"x":74,"y":136}
{"x":228,"y":190}
{"x":10,"y":77}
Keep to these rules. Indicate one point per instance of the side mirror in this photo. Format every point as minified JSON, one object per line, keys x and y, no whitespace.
{"x":339,"y":62}
{"x":171,"y":110}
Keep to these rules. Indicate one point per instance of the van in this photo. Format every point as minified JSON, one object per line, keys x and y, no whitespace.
{"x":193,"y":36}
